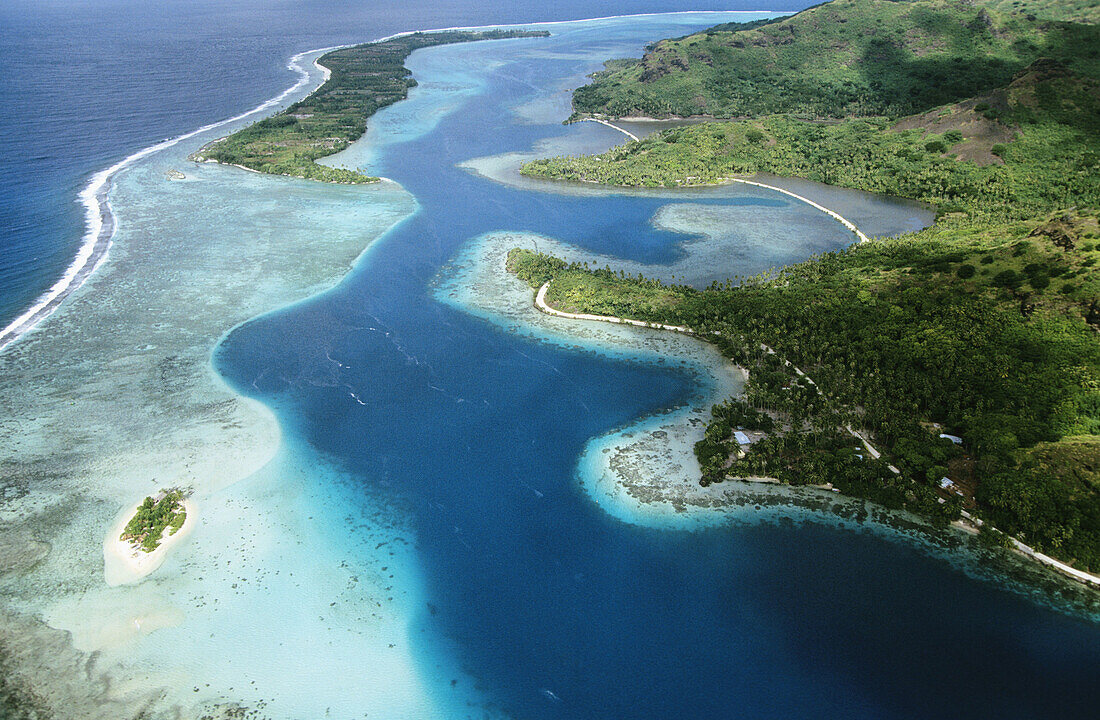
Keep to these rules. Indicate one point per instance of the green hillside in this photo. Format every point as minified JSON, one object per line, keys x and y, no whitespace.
{"x":1069,"y":10}
{"x":844,"y":58}
{"x":1020,"y":151}
{"x":984,"y":325}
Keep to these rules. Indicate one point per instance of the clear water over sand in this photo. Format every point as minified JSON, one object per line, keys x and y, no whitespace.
{"x":402,"y":528}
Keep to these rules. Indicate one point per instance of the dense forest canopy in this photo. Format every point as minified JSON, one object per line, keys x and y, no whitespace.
{"x":983,"y":326}
{"x":844,"y":58}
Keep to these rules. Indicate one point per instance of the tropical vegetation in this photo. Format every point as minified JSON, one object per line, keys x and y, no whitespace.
{"x":982,"y":327}
{"x":844,"y":58}
{"x":364,"y":79}
{"x":146,"y":528}
{"x":1019,"y":150}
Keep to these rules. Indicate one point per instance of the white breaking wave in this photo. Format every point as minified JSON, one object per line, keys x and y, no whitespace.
{"x":99,"y":235}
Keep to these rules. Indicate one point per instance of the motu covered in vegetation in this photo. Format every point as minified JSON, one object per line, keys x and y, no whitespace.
{"x":364,"y":79}
{"x":146,"y":528}
{"x":983,"y":327}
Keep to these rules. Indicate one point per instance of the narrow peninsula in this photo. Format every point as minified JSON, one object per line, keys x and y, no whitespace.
{"x":364,"y":79}
{"x":954,"y":370}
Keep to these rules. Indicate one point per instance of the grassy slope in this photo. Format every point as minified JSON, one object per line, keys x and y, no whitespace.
{"x":844,"y":58}
{"x":1068,"y":10}
{"x":1016,"y":152}
{"x":364,"y":79}
{"x":985,"y":323}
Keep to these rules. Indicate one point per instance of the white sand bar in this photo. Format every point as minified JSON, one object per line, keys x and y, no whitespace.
{"x":125,"y":563}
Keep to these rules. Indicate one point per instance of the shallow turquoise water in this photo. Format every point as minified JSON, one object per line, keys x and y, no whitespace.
{"x":550,"y":606}
{"x":413,"y":538}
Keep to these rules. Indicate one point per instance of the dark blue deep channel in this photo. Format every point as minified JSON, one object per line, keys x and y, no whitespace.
{"x":555,"y":609}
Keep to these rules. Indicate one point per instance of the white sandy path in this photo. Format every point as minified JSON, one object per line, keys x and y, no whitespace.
{"x":1051,"y":562}
{"x":124,"y":564}
{"x":540,"y":303}
{"x":624,"y":131}
{"x":973,"y":524}
{"x":817,"y":206}
{"x":834,"y":215}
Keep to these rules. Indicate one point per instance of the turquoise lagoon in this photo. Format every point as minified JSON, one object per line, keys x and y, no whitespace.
{"x":404,"y":508}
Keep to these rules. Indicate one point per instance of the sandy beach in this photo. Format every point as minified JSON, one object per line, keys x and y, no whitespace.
{"x":1019,"y":547}
{"x":125,"y":563}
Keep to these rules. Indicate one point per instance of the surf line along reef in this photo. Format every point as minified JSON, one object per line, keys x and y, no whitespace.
{"x":363,"y":79}
{"x":967,"y":351}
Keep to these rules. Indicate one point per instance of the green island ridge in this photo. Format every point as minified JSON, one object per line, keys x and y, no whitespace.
{"x":842,"y":58}
{"x":982,"y":327}
{"x":364,"y":79}
{"x":146,"y":528}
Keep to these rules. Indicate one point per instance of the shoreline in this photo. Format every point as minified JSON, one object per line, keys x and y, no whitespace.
{"x":646,"y":118}
{"x":1018,"y":547}
{"x":640,"y":473}
{"x":125,"y":564}
{"x":848,"y":224}
{"x":196,"y":158}
{"x":101,"y":223}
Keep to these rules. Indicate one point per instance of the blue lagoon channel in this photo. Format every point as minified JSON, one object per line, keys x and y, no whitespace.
{"x":551,"y":606}
{"x":401,"y":518}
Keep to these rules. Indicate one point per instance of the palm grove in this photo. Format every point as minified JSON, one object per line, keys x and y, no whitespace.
{"x":983,"y":325}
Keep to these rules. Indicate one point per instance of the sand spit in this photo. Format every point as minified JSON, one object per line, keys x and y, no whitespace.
{"x":629,"y":134}
{"x":646,"y":473}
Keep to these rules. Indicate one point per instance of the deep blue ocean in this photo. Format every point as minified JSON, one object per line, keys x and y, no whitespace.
{"x":88,"y":82}
{"x":555,"y":609}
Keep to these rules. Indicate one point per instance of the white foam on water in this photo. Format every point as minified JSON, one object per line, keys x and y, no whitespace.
{"x":99,"y":233}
